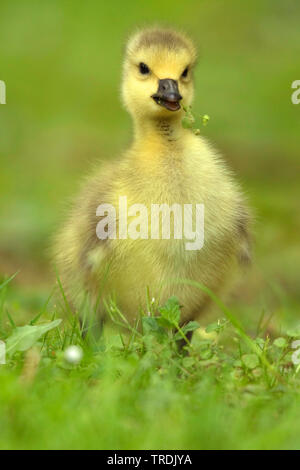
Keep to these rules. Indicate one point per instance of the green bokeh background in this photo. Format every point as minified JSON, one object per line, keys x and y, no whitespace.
{"x":61,"y":61}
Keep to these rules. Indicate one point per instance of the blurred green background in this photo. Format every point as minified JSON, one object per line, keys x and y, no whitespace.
{"x":61,"y":61}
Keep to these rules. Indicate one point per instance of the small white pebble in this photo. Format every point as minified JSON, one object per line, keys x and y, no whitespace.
{"x":73,"y":354}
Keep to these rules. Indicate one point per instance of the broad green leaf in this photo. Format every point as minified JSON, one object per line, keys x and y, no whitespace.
{"x":280,"y":342}
{"x":151,"y":325}
{"x":213,"y":327}
{"x":294,"y":332}
{"x":171,"y":311}
{"x":24,"y":337}
{"x":191,"y":326}
{"x":250,"y":360}
{"x":165,"y":323}
{"x":188,"y":361}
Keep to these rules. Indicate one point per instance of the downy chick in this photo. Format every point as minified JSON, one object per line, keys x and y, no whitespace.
{"x":166,"y":164}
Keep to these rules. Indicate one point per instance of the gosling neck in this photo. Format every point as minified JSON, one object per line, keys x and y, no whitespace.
{"x":164,"y":131}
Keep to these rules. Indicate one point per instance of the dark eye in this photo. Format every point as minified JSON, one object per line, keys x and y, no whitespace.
{"x":185,"y":72}
{"x":144,"y":69}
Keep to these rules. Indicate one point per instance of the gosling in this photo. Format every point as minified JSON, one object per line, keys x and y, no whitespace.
{"x":166,"y":164}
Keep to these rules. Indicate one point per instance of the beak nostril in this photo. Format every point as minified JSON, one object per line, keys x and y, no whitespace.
{"x":168,"y":94}
{"x":168,"y":86}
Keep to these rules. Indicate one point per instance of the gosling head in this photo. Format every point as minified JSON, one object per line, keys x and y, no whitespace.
{"x":158,"y":74}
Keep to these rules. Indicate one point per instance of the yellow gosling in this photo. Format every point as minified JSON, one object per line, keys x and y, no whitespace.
{"x":166,"y":164}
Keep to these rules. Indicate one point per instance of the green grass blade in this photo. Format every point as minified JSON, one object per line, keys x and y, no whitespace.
{"x":7,"y":281}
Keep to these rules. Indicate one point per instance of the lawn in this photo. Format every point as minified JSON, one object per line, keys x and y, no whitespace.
{"x":236,"y":386}
{"x":139,"y":390}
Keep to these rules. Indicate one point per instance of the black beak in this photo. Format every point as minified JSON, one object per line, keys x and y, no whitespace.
{"x":168,"y":94}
